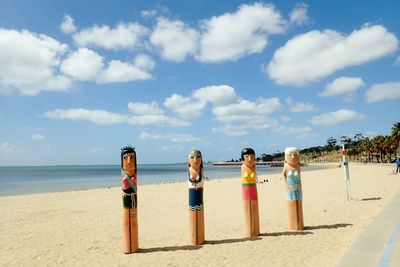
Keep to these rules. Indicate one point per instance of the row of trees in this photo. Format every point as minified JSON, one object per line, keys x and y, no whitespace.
{"x":381,"y":148}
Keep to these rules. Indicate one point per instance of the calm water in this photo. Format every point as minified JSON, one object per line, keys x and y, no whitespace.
{"x":25,"y":180}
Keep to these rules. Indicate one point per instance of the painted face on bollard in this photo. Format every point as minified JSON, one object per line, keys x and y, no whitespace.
{"x":128,"y":163}
{"x":249,"y":160}
{"x":195,"y":160}
{"x":292,"y":158}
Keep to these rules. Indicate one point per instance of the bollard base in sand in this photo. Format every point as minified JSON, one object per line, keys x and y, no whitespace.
{"x":196,"y":227}
{"x":295,"y":215}
{"x":252,"y":219}
{"x":130,"y":230}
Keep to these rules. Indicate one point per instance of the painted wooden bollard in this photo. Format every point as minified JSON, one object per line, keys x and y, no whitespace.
{"x":196,"y":208}
{"x":291,"y":174}
{"x":129,"y":199}
{"x":249,"y":193}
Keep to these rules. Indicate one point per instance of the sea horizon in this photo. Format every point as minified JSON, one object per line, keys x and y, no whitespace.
{"x":19,"y":180}
{"x":91,"y":164}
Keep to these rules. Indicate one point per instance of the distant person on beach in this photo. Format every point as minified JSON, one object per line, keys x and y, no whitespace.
{"x":129,"y":199}
{"x":249,"y":192}
{"x":291,"y":174}
{"x":196,"y":209}
{"x":398,"y":165}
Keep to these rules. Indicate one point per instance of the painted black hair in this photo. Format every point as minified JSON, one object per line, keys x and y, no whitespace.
{"x":247,"y":151}
{"x":126,"y":150}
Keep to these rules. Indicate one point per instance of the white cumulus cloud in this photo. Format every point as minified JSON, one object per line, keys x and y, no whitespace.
{"x":245,"y":110}
{"x":83,"y":64}
{"x":145,"y":109}
{"x":235,"y":35}
{"x":87,"y":65}
{"x":299,"y":16}
{"x":219,"y":95}
{"x":118,"y":71}
{"x":29,"y":63}
{"x":123,"y":36}
{"x":383,"y":92}
{"x":174,"y":39}
{"x":68,"y":26}
{"x":245,"y":115}
{"x":104,"y":117}
{"x":300,"y":106}
{"x":96,"y":115}
{"x":186,"y":107}
{"x":342,"y":85}
{"x":144,"y":62}
{"x":191,"y":106}
{"x":314,"y":55}
{"x":228,"y":107}
{"x":337,"y":117}
{"x":242,"y":126}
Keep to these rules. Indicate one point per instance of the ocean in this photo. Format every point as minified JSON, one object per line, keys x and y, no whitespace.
{"x":38,"y":179}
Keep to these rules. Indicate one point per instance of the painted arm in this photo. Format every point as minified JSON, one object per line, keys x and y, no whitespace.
{"x":284,"y":174}
{"x":284,"y":171}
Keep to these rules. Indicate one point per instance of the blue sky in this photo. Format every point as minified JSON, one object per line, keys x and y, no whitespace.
{"x":81,"y":79}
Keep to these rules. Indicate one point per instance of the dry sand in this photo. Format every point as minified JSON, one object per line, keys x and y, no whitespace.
{"x":82,"y":228}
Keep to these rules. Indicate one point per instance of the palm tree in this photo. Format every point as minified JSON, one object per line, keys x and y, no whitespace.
{"x":366,"y":147}
{"x":378,"y":146}
{"x":356,"y":144}
{"x":392,"y":147}
{"x":396,"y":136}
{"x":387,"y":146}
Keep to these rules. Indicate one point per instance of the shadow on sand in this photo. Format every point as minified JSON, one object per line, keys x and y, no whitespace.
{"x":244,"y":239}
{"x":371,"y":198}
{"x":233,"y":240}
{"x":367,"y":199}
{"x":193,"y":247}
{"x":330,"y":226}
{"x":287,"y":233}
{"x":172,"y":248}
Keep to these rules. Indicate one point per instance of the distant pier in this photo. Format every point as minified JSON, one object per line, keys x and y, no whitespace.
{"x":265,"y":163}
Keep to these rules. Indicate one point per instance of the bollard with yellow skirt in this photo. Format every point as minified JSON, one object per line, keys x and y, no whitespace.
{"x":249,"y":193}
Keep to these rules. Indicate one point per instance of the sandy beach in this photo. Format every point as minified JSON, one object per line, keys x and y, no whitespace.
{"x":82,"y":228}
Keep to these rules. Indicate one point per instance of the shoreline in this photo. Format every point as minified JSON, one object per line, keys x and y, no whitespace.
{"x":84,"y":227}
{"x":66,"y":184}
